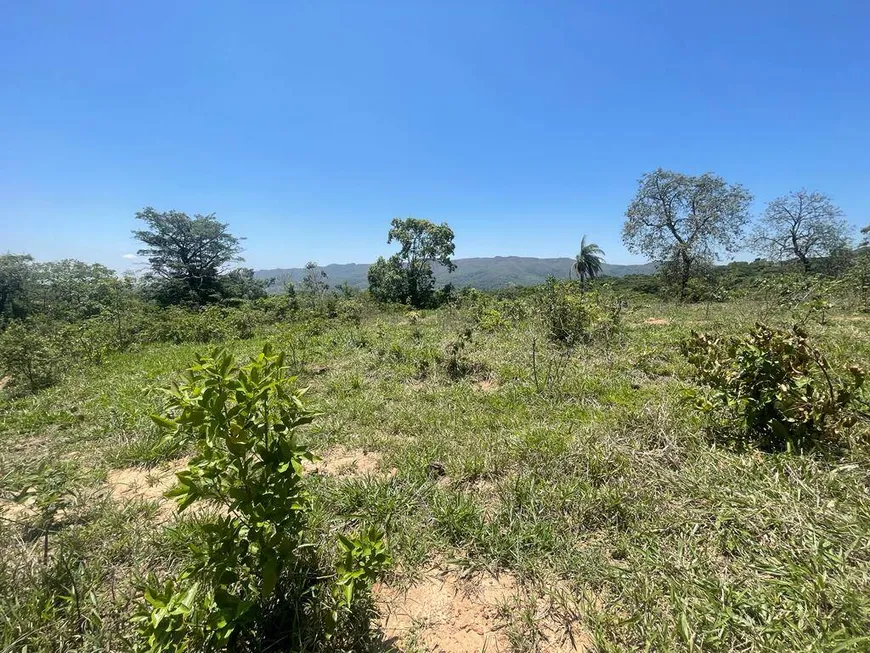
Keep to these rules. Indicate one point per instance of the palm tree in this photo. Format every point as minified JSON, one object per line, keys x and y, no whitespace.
{"x":587,"y":262}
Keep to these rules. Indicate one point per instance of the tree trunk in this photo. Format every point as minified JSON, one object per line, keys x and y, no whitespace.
{"x":685,"y":269}
{"x":805,"y":262}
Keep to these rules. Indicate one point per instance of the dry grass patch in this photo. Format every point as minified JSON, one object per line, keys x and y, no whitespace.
{"x":486,"y":385}
{"x":849,"y":318}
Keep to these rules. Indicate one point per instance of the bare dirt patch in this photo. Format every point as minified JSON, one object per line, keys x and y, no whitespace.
{"x":4,"y":381}
{"x":448,"y":614}
{"x":341,"y":461}
{"x":14,"y":511}
{"x":657,"y":321}
{"x":145,"y":484}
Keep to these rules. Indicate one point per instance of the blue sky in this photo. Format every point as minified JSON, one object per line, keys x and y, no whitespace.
{"x":309,"y":125}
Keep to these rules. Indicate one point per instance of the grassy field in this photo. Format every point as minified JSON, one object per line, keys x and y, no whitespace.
{"x":571,"y":504}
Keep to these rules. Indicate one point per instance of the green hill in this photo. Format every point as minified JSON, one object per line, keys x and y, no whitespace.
{"x":481,"y":273}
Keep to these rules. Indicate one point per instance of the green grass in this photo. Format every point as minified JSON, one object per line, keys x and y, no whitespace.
{"x":603,"y":486}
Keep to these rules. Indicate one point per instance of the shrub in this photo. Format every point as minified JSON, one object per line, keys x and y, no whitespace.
{"x":456,"y":361}
{"x":572,"y":317}
{"x":212,"y":324}
{"x":804,"y":295}
{"x":255,"y":577}
{"x":279,"y":308}
{"x":349,"y":311}
{"x":549,"y":367}
{"x":37,"y":351}
{"x":775,"y":387}
{"x":32,"y":354}
{"x":243,"y":321}
{"x":857,"y":280}
{"x":514,"y":310}
{"x":704,"y":289}
{"x":490,"y":319}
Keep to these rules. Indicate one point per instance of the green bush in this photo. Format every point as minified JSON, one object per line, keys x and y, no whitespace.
{"x":571,"y":316}
{"x":255,"y":576}
{"x":32,"y":354}
{"x":456,"y":361}
{"x":212,"y":324}
{"x":37,"y":351}
{"x":279,"y":308}
{"x":490,"y":319}
{"x":778,"y":390}
{"x":349,"y":311}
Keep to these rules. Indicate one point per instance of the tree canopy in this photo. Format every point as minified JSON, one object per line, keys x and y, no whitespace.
{"x":241,"y":283}
{"x":66,"y":290}
{"x":187,"y":254}
{"x":407,"y":275}
{"x":801,"y":225}
{"x":685,"y":221}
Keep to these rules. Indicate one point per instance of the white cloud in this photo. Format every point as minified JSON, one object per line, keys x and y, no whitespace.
{"x":130,"y":257}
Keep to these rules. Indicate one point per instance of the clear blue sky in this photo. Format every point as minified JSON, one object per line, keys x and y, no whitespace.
{"x":309,"y":125}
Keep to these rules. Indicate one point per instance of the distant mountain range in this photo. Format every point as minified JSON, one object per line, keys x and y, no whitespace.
{"x":481,"y":273}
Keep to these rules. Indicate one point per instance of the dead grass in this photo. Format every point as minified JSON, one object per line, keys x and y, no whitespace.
{"x":486,"y":385}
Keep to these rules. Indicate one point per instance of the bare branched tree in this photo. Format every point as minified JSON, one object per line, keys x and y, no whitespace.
{"x":684,"y":221}
{"x":801,"y":225}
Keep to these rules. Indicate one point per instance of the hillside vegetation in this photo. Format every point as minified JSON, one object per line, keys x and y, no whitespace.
{"x":481,"y":273}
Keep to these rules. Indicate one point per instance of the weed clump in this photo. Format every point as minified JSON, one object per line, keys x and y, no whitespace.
{"x":773,"y":389}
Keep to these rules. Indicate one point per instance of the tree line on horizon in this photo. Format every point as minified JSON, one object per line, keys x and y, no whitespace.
{"x":684,"y":223}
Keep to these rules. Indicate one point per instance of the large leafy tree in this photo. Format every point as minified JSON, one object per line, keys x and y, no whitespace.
{"x":187,"y":255}
{"x":587,"y":262}
{"x":685,"y":221}
{"x":407,"y":275}
{"x":801,"y":225}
